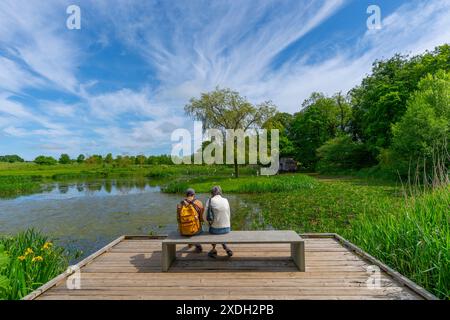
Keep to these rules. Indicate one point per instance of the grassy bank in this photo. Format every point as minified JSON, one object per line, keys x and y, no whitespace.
{"x":27,"y":261}
{"x":26,"y":178}
{"x":412,"y":234}
{"x":415,"y":239}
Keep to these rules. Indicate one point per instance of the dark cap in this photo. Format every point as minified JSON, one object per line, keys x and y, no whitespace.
{"x":190,"y":192}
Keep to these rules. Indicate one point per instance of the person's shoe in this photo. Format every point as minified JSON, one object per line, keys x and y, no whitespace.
{"x":198,"y":249}
{"x":212,"y":254}
{"x":229,"y":253}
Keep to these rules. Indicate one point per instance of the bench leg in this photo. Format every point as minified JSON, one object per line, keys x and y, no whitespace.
{"x":167,"y":256}
{"x":298,"y":254}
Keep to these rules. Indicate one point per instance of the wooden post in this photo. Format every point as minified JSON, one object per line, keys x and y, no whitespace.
{"x":298,"y":254}
{"x":167,"y":256}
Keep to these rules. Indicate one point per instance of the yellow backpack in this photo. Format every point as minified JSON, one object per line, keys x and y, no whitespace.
{"x":188,"y":220}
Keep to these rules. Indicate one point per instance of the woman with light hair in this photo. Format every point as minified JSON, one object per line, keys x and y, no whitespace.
{"x":217,"y":214}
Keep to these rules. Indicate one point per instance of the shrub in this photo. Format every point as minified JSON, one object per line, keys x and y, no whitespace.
{"x":342,"y":153}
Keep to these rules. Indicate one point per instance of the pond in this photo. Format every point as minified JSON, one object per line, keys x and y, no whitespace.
{"x":86,"y":215}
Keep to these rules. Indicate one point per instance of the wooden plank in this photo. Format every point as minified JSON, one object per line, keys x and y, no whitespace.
{"x":264,"y":236}
{"x":131,"y":270}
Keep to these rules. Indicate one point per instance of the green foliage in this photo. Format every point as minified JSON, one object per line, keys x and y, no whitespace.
{"x":415,"y":239}
{"x":321,"y":119}
{"x":64,"y":159}
{"x":224,"y":109}
{"x":109,"y":158}
{"x":29,"y":260}
{"x":341,"y":153}
{"x":81,"y":158}
{"x":381,"y":99}
{"x":11,"y":158}
{"x":43,"y":160}
{"x":425,"y":127}
{"x":95,"y":159}
{"x":16,"y":185}
{"x":255,"y":184}
{"x":282,"y":121}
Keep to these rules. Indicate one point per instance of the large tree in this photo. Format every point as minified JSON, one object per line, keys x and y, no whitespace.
{"x":224,"y":109}
{"x":322,"y":118}
{"x":381,"y":99}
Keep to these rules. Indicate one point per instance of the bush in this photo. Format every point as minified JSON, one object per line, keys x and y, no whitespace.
{"x":342,"y":153}
{"x":11,"y":158}
{"x":43,"y":160}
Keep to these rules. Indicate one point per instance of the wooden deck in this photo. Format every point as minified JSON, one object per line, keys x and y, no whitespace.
{"x":130,"y":268}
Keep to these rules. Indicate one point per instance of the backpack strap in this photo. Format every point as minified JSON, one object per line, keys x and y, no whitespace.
{"x":197,"y":208}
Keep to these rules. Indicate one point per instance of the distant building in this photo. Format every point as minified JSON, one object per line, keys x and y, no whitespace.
{"x":287,"y":165}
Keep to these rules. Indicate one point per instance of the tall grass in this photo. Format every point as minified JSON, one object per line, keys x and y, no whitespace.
{"x":254,"y":184}
{"x":414,"y":240}
{"x":27,"y":261}
{"x":11,"y":186}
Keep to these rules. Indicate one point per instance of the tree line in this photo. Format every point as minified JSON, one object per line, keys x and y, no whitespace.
{"x":109,"y":159}
{"x":398,"y":118}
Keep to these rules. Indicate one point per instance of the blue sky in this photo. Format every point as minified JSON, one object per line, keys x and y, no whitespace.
{"x":120,"y":83}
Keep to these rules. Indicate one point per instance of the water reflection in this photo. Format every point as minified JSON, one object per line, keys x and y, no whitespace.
{"x":86,"y":215}
{"x":107,"y":187}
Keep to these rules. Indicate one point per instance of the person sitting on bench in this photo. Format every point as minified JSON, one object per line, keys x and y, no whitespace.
{"x":217,"y":214}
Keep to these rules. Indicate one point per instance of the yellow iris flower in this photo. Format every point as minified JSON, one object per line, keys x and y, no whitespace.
{"x":37,"y":258}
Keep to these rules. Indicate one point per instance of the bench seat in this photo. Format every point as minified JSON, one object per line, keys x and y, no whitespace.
{"x":235,"y":237}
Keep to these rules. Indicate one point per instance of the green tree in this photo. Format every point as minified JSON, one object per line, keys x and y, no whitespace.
{"x":381,"y":99}
{"x":320,"y":120}
{"x":425,"y":126}
{"x":109,"y":158}
{"x":225,"y":109}
{"x":141,"y":160}
{"x":81,"y":158}
{"x":11,"y":158}
{"x":43,"y":160}
{"x":64,"y":159}
{"x":283,"y":122}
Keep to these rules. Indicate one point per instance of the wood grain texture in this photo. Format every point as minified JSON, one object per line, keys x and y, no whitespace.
{"x":131,"y":269}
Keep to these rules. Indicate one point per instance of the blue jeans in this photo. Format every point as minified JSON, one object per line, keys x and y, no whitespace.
{"x":219,"y":231}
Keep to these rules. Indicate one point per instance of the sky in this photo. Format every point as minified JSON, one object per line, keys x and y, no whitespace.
{"x":120,"y":83}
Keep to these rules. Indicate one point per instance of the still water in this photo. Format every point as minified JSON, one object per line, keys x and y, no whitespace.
{"x":87,"y":215}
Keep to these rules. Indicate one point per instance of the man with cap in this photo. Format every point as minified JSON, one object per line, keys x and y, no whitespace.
{"x":198,"y":205}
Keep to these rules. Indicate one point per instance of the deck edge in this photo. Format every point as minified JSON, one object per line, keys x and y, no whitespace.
{"x":345,"y":243}
{"x":411,"y":285}
{"x":36,"y":293}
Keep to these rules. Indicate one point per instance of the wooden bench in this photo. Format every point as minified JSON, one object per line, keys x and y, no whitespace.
{"x":235,"y":237}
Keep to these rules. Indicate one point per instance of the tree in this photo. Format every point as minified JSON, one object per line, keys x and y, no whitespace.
{"x":320,"y":120}
{"x":43,"y":160}
{"x":140,"y":160}
{"x":225,"y":109}
{"x":64,"y":159}
{"x":425,"y":127}
{"x":381,"y":99}
{"x":283,"y":122}
{"x":11,"y":158}
{"x":109,"y":158}
{"x":81,"y":158}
